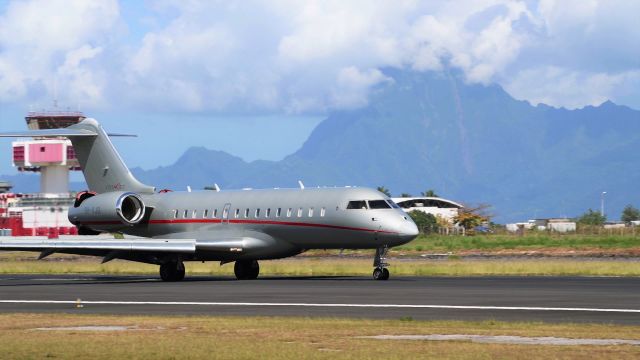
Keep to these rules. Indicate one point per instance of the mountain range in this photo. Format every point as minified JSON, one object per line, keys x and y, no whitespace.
{"x":470,"y":143}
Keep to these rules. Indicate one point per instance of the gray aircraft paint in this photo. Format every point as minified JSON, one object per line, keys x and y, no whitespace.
{"x":330,"y":225}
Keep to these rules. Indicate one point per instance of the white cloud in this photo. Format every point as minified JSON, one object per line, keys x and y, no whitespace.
{"x":44,"y":42}
{"x":313,"y":56}
{"x":353,"y":86}
{"x":561,"y":87}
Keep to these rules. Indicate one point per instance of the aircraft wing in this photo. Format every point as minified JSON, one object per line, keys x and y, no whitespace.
{"x":108,"y":247}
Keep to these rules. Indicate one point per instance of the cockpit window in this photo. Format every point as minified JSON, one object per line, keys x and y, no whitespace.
{"x":378,"y":204}
{"x":393,"y":204}
{"x":358,"y":204}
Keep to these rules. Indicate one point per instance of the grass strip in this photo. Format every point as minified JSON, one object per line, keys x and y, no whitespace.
{"x":542,"y":240}
{"x":340,"y":267}
{"x":204,"y":337}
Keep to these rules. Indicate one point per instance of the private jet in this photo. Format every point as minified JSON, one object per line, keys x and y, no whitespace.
{"x":168,"y":228}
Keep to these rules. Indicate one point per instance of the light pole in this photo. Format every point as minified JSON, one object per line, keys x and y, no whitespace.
{"x":602,"y":203}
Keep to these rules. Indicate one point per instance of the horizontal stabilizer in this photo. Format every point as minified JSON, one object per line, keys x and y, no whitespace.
{"x":122,"y":135}
{"x":108,"y":244}
{"x":50,"y":133}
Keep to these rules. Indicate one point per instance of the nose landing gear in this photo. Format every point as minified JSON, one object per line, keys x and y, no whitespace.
{"x":379,"y":263}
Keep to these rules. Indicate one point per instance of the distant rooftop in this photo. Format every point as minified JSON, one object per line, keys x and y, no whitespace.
{"x":56,"y":119}
{"x":5,"y":186}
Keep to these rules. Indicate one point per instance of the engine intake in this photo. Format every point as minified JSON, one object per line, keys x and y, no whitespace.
{"x":108,"y":211}
{"x":130,"y":208}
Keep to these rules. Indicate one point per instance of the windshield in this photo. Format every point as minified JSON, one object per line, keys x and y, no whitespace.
{"x":371,"y":204}
{"x":358,"y":204}
{"x":378,"y":204}
{"x":393,"y":204}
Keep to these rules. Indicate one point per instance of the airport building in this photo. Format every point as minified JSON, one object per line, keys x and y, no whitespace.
{"x":43,"y":213}
{"x":560,"y":225}
{"x":436,"y":206}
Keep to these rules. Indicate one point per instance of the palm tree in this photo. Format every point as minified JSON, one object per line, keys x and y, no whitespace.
{"x":384,"y":190}
{"x":429,"y":193}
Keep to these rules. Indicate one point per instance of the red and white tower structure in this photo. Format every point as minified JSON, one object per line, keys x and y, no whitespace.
{"x":52,"y":158}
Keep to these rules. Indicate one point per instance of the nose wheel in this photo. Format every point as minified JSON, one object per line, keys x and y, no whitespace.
{"x":379,"y":263}
{"x":381,"y":274}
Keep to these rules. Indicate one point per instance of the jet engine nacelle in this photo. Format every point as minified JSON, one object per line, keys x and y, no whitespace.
{"x":108,"y":211}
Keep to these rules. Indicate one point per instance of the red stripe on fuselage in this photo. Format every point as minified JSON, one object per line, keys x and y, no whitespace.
{"x":263,"y":222}
{"x":243,"y":221}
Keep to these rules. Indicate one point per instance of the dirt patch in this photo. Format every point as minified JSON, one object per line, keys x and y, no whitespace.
{"x":517,"y":340}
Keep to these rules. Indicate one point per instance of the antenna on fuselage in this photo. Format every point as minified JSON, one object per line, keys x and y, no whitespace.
{"x":301,"y":184}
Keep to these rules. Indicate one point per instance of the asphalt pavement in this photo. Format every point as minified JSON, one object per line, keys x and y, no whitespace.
{"x":552,"y":299}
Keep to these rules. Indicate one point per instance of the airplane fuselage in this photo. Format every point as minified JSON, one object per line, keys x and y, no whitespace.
{"x":272,"y":223}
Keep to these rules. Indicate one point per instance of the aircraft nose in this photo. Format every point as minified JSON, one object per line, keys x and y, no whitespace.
{"x":408,"y":231}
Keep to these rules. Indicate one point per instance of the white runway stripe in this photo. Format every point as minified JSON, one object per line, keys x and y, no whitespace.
{"x":397,"y":306}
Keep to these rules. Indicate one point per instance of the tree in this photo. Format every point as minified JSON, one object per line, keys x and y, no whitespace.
{"x":426,"y":222}
{"x":405,"y":195}
{"x":429,"y":193}
{"x":630,"y":213}
{"x":469,"y":217}
{"x":591,"y":218}
{"x":384,"y":190}
{"x":469,"y":220}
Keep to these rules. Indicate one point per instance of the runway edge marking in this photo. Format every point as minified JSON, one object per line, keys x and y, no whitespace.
{"x":399,"y":306}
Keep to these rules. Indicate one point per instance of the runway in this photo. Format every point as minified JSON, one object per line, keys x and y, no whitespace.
{"x":552,"y":299}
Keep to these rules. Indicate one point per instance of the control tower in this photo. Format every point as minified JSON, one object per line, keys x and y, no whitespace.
{"x":52,"y":157}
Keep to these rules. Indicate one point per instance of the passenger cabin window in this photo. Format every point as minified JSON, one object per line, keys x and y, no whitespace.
{"x":378,"y":204}
{"x":237,"y":213}
{"x":185,"y":214}
{"x":268,"y":213}
{"x":246,"y":213}
{"x":299,"y":212}
{"x":322,"y":212}
{"x":193,"y":214}
{"x":358,"y":204}
{"x":278,"y":212}
{"x":257,"y":213}
{"x":215,"y":213}
{"x":289,"y":212}
{"x":205,"y":213}
{"x":310,"y":212}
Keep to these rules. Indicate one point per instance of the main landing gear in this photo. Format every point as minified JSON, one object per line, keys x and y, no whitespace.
{"x":246,"y":269}
{"x":172,"y":271}
{"x":381,"y":272}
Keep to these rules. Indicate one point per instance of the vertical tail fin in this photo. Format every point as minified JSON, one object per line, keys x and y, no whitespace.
{"x":101,"y":164}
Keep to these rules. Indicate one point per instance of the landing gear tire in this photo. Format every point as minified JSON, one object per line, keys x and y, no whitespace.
{"x":381,"y":274}
{"x":246,"y":269}
{"x":379,"y":263}
{"x":172,"y":271}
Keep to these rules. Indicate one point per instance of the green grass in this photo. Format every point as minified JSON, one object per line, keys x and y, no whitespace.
{"x":439,"y":243}
{"x":206,"y":337}
{"x":452,"y":266}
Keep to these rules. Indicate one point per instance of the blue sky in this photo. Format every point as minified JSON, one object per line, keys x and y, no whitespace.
{"x":254,"y":77}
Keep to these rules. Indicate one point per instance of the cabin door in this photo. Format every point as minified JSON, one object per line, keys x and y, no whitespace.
{"x":225,"y":213}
